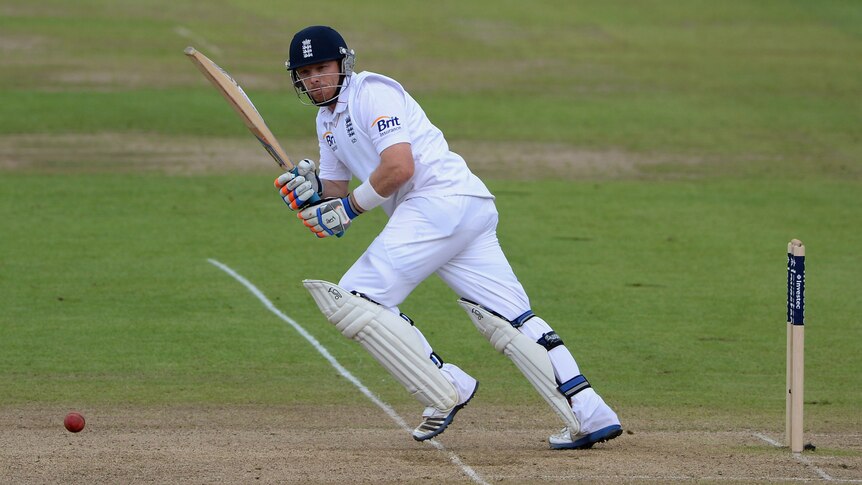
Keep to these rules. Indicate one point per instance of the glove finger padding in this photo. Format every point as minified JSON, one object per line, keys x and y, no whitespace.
{"x":308,"y":169}
{"x":283,"y":179}
{"x":326,"y":218}
{"x":296,"y":182}
{"x":299,"y":196}
{"x":297,"y":190}
{"x":305,"y":167}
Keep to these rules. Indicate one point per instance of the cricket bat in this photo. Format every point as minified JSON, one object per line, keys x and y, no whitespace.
{"x":239,"y":101}
{"x":243,"y":106}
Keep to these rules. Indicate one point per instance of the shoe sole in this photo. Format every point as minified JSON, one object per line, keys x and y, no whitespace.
{"x":449,"y":418}
{"x":605,"y":434}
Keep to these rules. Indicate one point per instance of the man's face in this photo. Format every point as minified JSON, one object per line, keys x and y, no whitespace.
{"x":320,"y":80}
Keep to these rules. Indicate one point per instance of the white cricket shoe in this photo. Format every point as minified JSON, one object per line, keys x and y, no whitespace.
{"x":435,"y":421}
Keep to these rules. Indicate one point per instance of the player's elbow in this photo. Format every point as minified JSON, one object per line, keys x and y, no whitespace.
{"x":404,"y":172}
{"x":398,"y":164}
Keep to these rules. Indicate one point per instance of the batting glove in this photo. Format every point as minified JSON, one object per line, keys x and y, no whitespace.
{"x":328,"y":217}
{"x":299,"y":186}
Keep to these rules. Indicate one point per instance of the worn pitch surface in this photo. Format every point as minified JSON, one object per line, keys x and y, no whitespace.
{"x":358,"y":443}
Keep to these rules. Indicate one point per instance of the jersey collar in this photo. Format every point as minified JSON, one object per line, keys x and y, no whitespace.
{"x":340,"y":105}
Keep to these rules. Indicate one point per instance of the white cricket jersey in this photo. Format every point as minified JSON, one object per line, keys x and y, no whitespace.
{"x":378,"y":114}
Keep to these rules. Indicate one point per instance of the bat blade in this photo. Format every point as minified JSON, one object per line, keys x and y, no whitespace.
{"x":240,"y":102}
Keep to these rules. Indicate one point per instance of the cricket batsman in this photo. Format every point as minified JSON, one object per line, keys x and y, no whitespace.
{"x":442,"y":220}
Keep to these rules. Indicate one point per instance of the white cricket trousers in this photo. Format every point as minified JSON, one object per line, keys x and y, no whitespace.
{"x":452,"y":236}
{"x":456,"y":238}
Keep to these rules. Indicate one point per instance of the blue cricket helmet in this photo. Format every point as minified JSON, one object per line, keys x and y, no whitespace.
{"x":318,"y":43}
{"x":314,"y":44}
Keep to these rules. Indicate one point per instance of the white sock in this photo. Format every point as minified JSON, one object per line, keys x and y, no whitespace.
{"x":463,"y":382}
{"x":592,"y":412}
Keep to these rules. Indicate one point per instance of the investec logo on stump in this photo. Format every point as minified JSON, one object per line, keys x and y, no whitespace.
{"x":386,"y":125}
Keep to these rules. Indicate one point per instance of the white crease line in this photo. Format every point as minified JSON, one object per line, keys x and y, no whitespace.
{"x":768,"y":440}
{"x":188,"y":34}
{"x":455,"y":459}
{"x":807,"y":462}
{"x":798,"y":456}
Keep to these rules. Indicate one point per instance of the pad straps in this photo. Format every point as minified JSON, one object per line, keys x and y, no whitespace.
{"x":573,"y":386}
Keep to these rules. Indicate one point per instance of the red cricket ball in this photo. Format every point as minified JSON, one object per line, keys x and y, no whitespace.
{"x":74,"y":422}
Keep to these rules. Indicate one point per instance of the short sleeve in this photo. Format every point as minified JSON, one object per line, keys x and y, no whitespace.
{"x":381,"y":109}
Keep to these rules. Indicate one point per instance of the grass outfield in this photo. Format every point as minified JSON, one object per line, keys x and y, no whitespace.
{"x":766,"y":87}
{"x":670,"y":293}
{"x":668,"y":282}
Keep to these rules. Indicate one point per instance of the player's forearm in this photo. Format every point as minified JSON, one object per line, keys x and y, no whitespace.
{"x":334,"y":188}
{"x":395,"y":169}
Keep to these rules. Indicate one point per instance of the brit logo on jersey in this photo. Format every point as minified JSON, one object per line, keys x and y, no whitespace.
{"x":306,"y":49}
{"x":329,"y":138}
{"x":386,"y":125}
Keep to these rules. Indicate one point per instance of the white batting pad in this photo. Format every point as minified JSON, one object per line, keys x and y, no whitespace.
{"x":389,"y":338}
{"x":529,"y":357}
